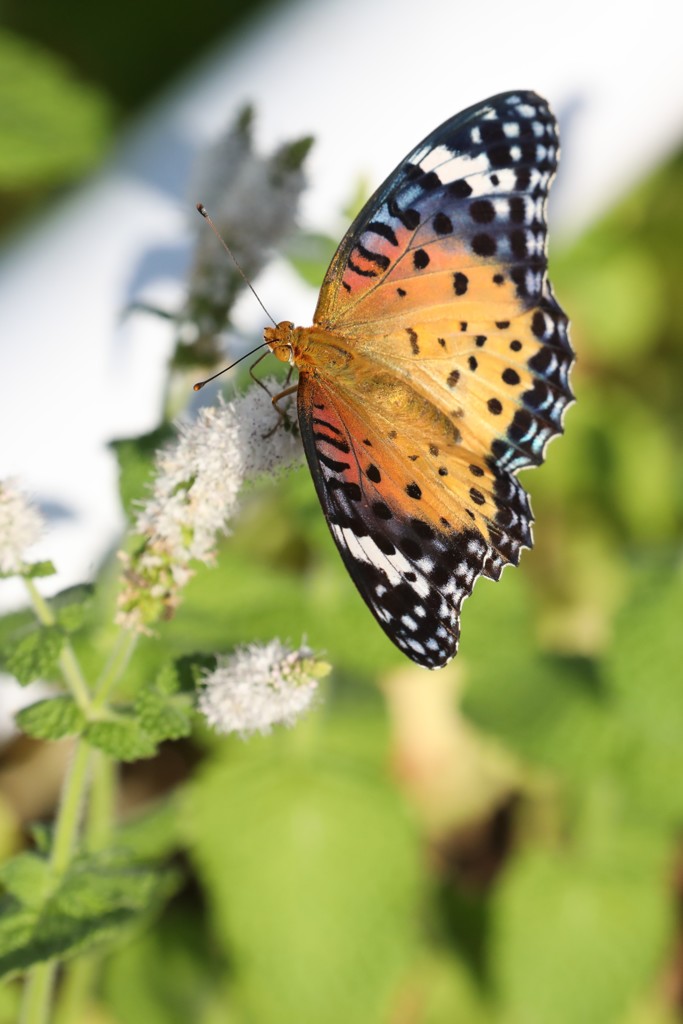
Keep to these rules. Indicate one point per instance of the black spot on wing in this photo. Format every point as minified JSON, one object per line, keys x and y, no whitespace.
{"x":383,"y":230}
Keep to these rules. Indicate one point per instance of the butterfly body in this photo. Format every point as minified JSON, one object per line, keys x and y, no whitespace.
{"x":436,"y":368}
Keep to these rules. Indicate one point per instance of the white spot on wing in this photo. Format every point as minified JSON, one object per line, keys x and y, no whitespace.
{"x":507,"y":181}
{"x":364,"y":549}
{"x":450,"y":167}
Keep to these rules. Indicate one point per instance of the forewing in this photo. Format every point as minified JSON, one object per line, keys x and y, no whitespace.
{"x":457,"y":230}
{"x":442,"y":279}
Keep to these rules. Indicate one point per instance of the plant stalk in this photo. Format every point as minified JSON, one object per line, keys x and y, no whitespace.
{"x":68,"y":662}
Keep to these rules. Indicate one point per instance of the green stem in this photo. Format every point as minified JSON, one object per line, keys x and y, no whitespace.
{"x":78,"y":982}
{"x":38,"y":994}
{"x":67,"y":659}
{"x":80,"y":974}
{"x":113,"y":670}
{"x":101,"y":806}
{"x":41,"y":978}
{"x":40,"y":982}
{"x":70,"y":807}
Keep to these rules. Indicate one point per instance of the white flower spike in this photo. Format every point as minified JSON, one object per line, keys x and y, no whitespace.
{"x":21,"y":525}
{"x":260,"y":686}
{"x":194,"y":497}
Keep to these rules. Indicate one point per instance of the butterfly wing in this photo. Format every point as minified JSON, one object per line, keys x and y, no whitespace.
{"x":385,"y":557}
{"x":468,"y":198}
{"x":386,"y":494}
{"x":459,"y":376}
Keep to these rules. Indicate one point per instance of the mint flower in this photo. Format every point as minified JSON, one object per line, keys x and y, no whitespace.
{"x":195,"y":496}
{"x":260,"y":686}
{"x":21,"y":526}
{"x":253,"y":201}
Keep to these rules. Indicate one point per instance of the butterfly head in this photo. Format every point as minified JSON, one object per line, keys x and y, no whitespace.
{"x":281,"y":340}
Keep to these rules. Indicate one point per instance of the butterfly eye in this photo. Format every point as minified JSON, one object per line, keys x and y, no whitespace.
{"x":279,"y":339}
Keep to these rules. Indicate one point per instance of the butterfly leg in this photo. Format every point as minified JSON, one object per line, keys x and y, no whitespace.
{"x":253,"y":375}
{"x":282,"y":413}
{"x":260,"y":382}
{"x":283,"y":394}
{"x":274,"y":398}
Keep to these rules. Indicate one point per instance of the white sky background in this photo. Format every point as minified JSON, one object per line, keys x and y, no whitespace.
{"x":369,"y":80}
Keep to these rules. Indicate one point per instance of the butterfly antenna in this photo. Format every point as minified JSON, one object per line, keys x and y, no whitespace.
{"x":200,"y":384}
{"x":202,"y":209}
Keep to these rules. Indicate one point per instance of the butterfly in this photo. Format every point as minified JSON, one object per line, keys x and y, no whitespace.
{"x":436,"y":368}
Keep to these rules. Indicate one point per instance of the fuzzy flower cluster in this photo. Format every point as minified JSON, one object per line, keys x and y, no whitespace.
{"x":21,"y":525}
{"x":260,"y":686}
{"x":253,"y":201}
{"x":195,"y":495}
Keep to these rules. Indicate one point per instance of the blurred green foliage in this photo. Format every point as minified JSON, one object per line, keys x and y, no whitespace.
{"x":69,"y":73}
{"x":51,"y":126}
{"x":100,"y":896}
{"x":127,"y":48}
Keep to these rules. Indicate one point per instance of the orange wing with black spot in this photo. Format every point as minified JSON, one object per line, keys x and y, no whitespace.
{"x":458,"y":374}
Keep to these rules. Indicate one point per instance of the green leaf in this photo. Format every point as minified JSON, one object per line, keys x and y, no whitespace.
{"x":35,"y":655}
{"x":95,"y":885}
{"x":30,"y":571}
{"x":163,"y":717}
{"x":291,"y":156}
{"x":124,"y":740}
{"x":39,"y":569}
{"x":173,"y":974}
{"x":51,"y":719}
{"x":561,"y":917}
{"x":71,"y":606}
{"x":642,"y":669}
{"x":17,"y":928}
{"x":548,"y":709}
{"x":446,"y":992}
{"x":26,"y":877}
{"x":99,"y":898}
{"x":51,"y":126}
{"x":311,"y":870}
{"x":71,"y":618}
{"x":167,"y":680}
